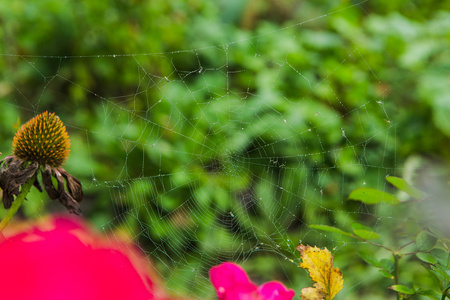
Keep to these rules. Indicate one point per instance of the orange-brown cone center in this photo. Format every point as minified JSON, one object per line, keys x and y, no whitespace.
{"x":43,"y":139}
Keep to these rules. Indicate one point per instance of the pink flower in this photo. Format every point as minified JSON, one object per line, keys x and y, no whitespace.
{"x":232,"y":283}
{"x":61,"y":258}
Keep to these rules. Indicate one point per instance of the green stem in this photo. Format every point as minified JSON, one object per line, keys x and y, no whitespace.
{"x":17,"y":202}
{"x":444,"y":294}
{"x":396,"y":271}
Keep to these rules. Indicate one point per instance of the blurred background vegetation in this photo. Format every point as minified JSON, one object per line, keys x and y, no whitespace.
{"x":178,"y":110}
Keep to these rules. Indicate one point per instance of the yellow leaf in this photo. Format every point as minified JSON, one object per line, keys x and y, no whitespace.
{"x":319,"y":263}
{"x":311,"y":294}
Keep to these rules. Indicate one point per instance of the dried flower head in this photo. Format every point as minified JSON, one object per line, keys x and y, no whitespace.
{"x":43,"y":139}
{"x":41,"y":146}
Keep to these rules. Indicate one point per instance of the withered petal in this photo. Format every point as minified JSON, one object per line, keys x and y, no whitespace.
{"x":73,"y":185}
{"x":9,"y":168}
{"x":8,"y":175}
{"x":12,"y":187}
{"x":4,"y":163}
{"x":22,"y":176}
{"x":48,"y":183}
{"x":71,"y":205}
{"x":60,"y":181}
{"x":64,"y":197}
{"x":5,"y":174}
{"x":14,"y":165}
{"x":13,"y":175}
{"x":13,"y":178}
{"x":7,"y":199}
{"x":3,"y":180}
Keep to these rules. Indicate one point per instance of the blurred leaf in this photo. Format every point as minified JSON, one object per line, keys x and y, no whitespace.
{"x":442,"y":256}
{"x":369,"y":258}
{"x":330,"y":229}
{"x":446,"y":290}
{"x":402,"y":185}
{"x":424,"y":241}
{"x":372,"y":196}
{"x":387,"y":265}
{"x":426,"y":257}
{"x":434,"y":88}
{"x":428,"y":293}
{"x":443,"y":271}
{"x":365,"y":234}
{"x":357,"y":226}
{"x":402,"y":289}
{"x":386,"y":274}
{"x":321,"y":40}
{"x":16,"y":126}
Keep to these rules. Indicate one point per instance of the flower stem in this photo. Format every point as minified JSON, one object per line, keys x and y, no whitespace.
{"x":17,"y":202}
{"x":444,"y":294}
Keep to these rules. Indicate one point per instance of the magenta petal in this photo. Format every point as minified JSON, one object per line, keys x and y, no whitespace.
{"x":232,"y":283}
{"x":243,"y":291}
{"x":62,"y":259}
{"x":274,"y":290}
{"x":230,"y":279}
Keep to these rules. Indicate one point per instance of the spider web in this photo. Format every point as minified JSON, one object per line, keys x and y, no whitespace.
{"x":202,"y":168}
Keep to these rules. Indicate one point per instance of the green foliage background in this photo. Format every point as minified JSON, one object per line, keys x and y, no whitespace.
{"x":71,"y":56}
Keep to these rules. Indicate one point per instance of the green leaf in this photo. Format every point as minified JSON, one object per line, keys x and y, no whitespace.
{"x":365,"y":234}
{"x":447,"y":287}
{"x":387,"y":265}
{"x":444,"y":272}
{"x":356,"y":226}
{"x":369,"y":258}
{"x":429,"y":293}
{"x":402,"y":289}
{"x":330,"y":229}
{"x":426,"y":257}
{"x":446,"y":291}
{"x":441,"y":255}
{"x":386,"y":274}
{"x":424,"y":241}
{"x":402,"y":185}
{"x":372,"y":196}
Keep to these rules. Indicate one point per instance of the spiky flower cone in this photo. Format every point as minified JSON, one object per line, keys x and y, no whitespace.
{"x":43,"y":139}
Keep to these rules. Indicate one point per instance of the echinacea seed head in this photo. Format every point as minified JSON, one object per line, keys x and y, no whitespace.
{"x":43,"y":139}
